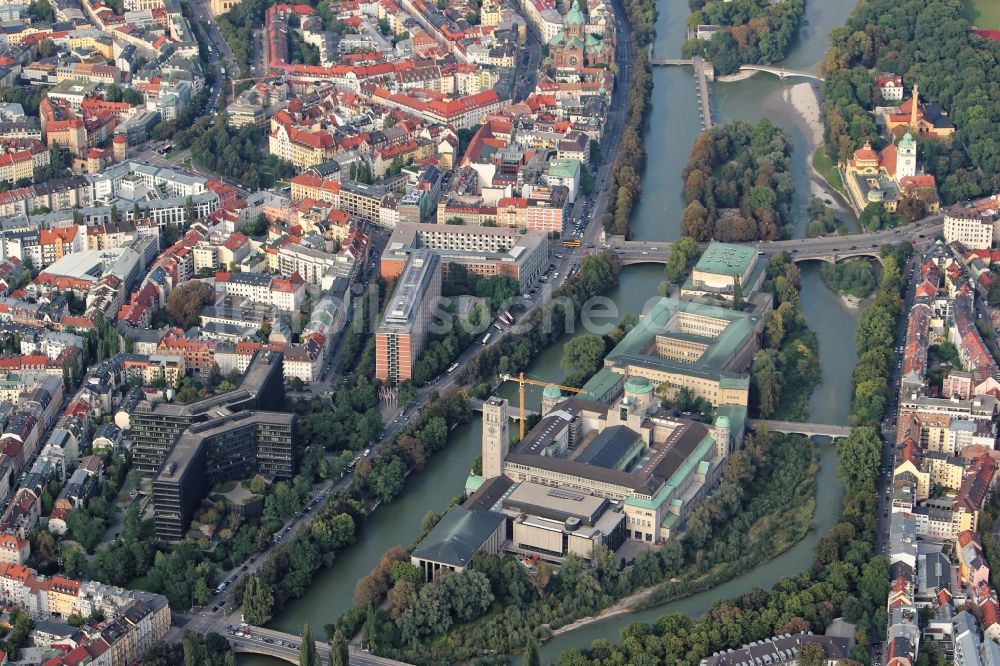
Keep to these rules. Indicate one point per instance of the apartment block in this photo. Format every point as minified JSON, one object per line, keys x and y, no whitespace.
{"x":402,"y":333}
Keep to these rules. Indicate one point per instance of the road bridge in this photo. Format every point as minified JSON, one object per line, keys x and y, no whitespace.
{"x":807,"y":429}
{"x":281,"y":645}
{"x":830,"y":249}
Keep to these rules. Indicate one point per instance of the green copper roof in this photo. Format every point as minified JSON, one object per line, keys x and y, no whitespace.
{"x":735,"y":382}
{"x":457,"y":537}
{"x":552,"y":392}
{"x":726,"y":259}
{"x":565,"y":168}
{"x":637,"y":384}
{"x":602,"y":384}
{"x":704,"y":449}
{"x":736,"y":415}
{"x":634,"y":347}
{"x":473,"y":482}
{"x":574,"y":16}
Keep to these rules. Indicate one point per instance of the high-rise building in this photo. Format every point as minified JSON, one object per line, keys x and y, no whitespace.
{"x":401,"y":336}
{"x":496,"y":436}
{"x":156,"y":426}
{"x":235,"y":446}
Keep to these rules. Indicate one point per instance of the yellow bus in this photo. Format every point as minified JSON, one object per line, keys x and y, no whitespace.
{"x":571,"y":242}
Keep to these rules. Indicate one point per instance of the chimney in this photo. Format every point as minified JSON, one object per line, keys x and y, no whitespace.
{"x":913,"y":108}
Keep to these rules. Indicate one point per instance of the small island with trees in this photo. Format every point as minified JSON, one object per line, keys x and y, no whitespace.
{"x":737,"y":184}
{"x":751,"y":32}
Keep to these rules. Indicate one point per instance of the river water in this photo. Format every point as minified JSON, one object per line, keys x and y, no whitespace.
{"x":673,"y":126}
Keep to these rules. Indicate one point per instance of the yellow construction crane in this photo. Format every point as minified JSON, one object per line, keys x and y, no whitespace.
{"x":522,"y":380}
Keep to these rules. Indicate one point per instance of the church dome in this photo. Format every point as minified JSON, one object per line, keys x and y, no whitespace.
{"x":574,"y":16}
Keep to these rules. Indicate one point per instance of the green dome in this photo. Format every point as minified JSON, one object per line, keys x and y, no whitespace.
{"x":722,"y":422}
{"x":551,"y":392}
{"x":638,"y":385}
{"x":574,"y":16}
{"x":907,"y":141}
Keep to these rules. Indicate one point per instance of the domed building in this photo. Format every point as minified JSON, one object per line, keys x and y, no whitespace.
{"x":575,"y":47}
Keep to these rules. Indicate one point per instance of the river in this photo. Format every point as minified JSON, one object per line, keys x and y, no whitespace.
{"x":673,"y":126}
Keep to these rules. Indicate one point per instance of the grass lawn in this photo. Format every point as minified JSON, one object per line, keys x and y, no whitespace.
{"x":826,"y":168}
{"x":983,"y":13}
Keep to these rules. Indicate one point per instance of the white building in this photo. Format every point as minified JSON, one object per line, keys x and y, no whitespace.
{"x":311,"y":264}
{"x":969,"y":226}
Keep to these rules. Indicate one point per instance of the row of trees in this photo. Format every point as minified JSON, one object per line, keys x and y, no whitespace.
{"x":289,"y":569}
{"x":546,"y":323}
{"x":786,"y":370}
{"x":626,"y":172}
{"x":757,"y":31}
{"x":929,"y":43}
{"x":874,"y":336}
{"x":742,"y":167}
{"x":209,"y":650}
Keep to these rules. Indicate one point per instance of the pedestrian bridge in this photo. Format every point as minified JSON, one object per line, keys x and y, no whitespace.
{"x":807,"y":429}
{"x":781,"y":72}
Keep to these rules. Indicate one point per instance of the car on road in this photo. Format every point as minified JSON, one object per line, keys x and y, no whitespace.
{"x":215,"y":608}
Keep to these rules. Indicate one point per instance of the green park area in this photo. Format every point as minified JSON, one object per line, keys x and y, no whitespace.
{"x":984,"y":14}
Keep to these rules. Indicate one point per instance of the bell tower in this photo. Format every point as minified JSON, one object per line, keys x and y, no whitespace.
{"x":906,"y":157}
{"x":496,"y":436}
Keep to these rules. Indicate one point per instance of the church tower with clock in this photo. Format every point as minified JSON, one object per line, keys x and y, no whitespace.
{"x":496,"y":436}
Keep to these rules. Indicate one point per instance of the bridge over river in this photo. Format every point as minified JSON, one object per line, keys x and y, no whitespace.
{"x":830,"y":249}
{"x":807,"y":429}
{"x":284,"y":646}
{"x":704,"y":73}
{"x":781,"y":72}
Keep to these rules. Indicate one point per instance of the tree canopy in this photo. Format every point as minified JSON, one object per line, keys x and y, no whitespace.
{"x":756,"y":31}
{"x":929,"y":43}
{"x":186,"y":301}
{"x":583,"y":356}
{"x":737,"y":184}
